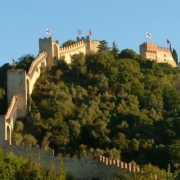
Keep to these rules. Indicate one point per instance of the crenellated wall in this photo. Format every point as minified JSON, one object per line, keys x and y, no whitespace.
{"x":19,"y":89}
{"x":81,"y":168}
{"x":8,"y":120}
{"x":159,"y":54}
{"x":35,"y":71}
{"x":67,"y":52}
{"x":21,"y":84}
{"x":55,"y":52}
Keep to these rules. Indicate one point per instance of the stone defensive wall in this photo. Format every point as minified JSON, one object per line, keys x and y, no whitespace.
{"x":41,"y":57}
{"x":34,"y":71}
{"x":81,"y":168}
{"x":67,"y":52}
{"x":19,"y":89}
{"x":160,"y":48}
{"x":12,"y":108}
{"x":72,"y":47}
{"x":8,"y":120}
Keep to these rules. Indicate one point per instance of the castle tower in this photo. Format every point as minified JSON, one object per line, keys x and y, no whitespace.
{"x":148,"y":50}
{"x":159,"y":54}
{"x":86,"y":41}
{"x":91,"y":45}
{"x":55,"y":52}
{"x":17,"y":85}
{"x":52,"y":49}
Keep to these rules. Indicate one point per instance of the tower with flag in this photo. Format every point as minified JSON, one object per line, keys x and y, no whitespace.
{"x":55,"y":52}
{"x":157,"y":53}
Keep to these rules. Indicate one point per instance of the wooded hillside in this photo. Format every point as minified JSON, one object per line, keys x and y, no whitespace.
{"x":117,"y":104}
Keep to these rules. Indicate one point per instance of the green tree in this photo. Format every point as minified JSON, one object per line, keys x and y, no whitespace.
{"x":78,"y":64}
{"x":68,"y":43}
{"x":103,"y":46}
{"x":171,"y":98}
{"x":174,"y":153}
{"x":115,"y":50}
{"x":29,"y":139}
{"x":102,"y":82}
{"x":120,"y":142}
{"x":24,"y":62}
{"x":74,"y":130}
{"x":128,"y":54}
{"x":174,"y":55}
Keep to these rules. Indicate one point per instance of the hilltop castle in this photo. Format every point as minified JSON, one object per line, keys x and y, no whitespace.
{"x":55,"y":52}
{"x":159,"y":54}
{"x":19,"y":94}
{"x":85,"y":45}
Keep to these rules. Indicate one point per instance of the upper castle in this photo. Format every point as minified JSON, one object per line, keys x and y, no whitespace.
{"x":85,"y":45}
{"x":55,"y":52}
{"x":157,"y":53}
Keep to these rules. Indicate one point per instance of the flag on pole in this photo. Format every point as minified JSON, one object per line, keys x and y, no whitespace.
{"x":47,"y":31}
{"x":148,"y":35}
{"x":90,"y":32}
{"x":79,"y":32}
{"x":168,"y":41}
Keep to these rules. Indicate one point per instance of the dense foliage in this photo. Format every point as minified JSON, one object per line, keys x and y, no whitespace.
{"x":68,"y":43}
{"x":174,"y":54}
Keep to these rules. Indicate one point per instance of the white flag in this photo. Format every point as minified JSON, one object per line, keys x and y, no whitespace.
{"x":47,"y":31}
{"x":148,"y":35}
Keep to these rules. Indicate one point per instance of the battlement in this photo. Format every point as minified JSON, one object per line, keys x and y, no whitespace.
{"x":80,"y":167}
{"x":158,"y":53}
{"x":45,"y":39}
{"x":160,"y":48}
{"x":150,"y":44}
{"x":87,"y":38}
{"x":94,"y":41}
{"x":72,"y":47}
{"x":55,"y":52}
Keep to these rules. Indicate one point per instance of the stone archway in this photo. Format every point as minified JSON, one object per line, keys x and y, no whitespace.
{"x":8,"y":133}
{"x":55,"y":51}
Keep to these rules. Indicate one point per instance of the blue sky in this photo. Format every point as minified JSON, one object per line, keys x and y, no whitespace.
{"x":123,"y":21}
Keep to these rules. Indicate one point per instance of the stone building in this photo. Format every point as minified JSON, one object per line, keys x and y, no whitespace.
{"x":55,"y":52}
{"x":157,"y":53}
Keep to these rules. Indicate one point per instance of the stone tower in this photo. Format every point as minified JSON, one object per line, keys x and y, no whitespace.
{"x":159,"y":54}
{"x":91,"y":45}
{"x":55,"y":52}
{"x":52,"y":49}
{"x":17,"y":85}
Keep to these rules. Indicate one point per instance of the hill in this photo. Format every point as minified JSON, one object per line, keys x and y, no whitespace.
{"x":120,"y":105}
{"x":123,"y":106}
